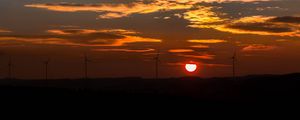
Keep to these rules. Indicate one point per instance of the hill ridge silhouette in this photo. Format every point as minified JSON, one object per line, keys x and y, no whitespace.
{"x":251,"y":88}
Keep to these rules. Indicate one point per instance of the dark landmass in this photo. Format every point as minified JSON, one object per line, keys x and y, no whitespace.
{"x":277,"y":89}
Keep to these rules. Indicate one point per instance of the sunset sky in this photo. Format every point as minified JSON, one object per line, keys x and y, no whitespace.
{"x":121,"y":37}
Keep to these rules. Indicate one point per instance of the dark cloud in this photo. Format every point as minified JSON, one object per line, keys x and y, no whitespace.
{"x":265,"y":27}
{"x":80,"y":37}
{"x":286,"y":19}
{"x":74,"y":36}
{"x":85,"y":36}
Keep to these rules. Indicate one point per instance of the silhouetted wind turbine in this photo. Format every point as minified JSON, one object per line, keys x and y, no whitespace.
{"x":86,"y":61}
{"x":156,"y":58}
{"x":46,"y":63}
{"x":10,"y":68}
{"x":234,"y":59}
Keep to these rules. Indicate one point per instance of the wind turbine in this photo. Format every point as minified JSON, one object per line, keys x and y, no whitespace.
{"x":46,"y":63}
{"x":157,"y":60}
{"x":86,"y":61}
{"x":10,"y":68}
{"x":234,"y":59}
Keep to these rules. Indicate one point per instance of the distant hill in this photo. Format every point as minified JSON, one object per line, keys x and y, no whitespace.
{"x":247,"y":89}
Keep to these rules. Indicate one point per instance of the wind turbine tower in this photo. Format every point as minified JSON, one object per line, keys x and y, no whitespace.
{"x":234,"y":59}
{"x":46,"y":63}
{"x":157,"y":60}
{"x":10,"y":68}
{"x":86,"y":61}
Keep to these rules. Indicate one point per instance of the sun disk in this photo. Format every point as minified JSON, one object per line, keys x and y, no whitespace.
{"x":191,"y":67}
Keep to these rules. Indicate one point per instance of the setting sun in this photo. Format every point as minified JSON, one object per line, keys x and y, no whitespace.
{"x":191,"y":67}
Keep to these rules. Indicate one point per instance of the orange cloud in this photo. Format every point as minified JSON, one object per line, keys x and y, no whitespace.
{"x":254,"y":48}
{"x":202,"y":56}
{"x":200,"y":46}
{"x":126,"y":36}
{"x":48,"y":41}
{"x":207,"y":41}
{"x":124,"y":50}
{"x":213,"y":1}
{"x":83,"y":37}
{"x":59,"y":32}
{"x":203,"y":17}
{"x":263,"y":25}
{"x":95,"y":43}
{"x":112,"y":15}
{"x":133,"y":39}
{"x":4,"y":31}
{"x":120,"y":31}
{"x":118,"y":10}
{"x":91,"y":31}
{"x":114,"y":10}
{"x":282,"y":40}
{"x":180,"y":50}
{"x":72,"y":31}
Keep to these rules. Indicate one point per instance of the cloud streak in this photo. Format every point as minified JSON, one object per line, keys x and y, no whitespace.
{"x":203,"y":17}
{"x":82,"y":37}
{"x":125,"y":50}
{"x":118,"y":10}
{"x":207,"y":41}
{"x":264,"y":25}
{"x":198,"y":56}
{"x":180,"y":50}
{"x":114,"y":10}
{"x":4,"y":31}
{"x":258,"y":47}
{"x":200,"y":46}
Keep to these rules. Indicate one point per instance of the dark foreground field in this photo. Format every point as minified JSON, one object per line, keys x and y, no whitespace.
{"x":278,"y":89}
